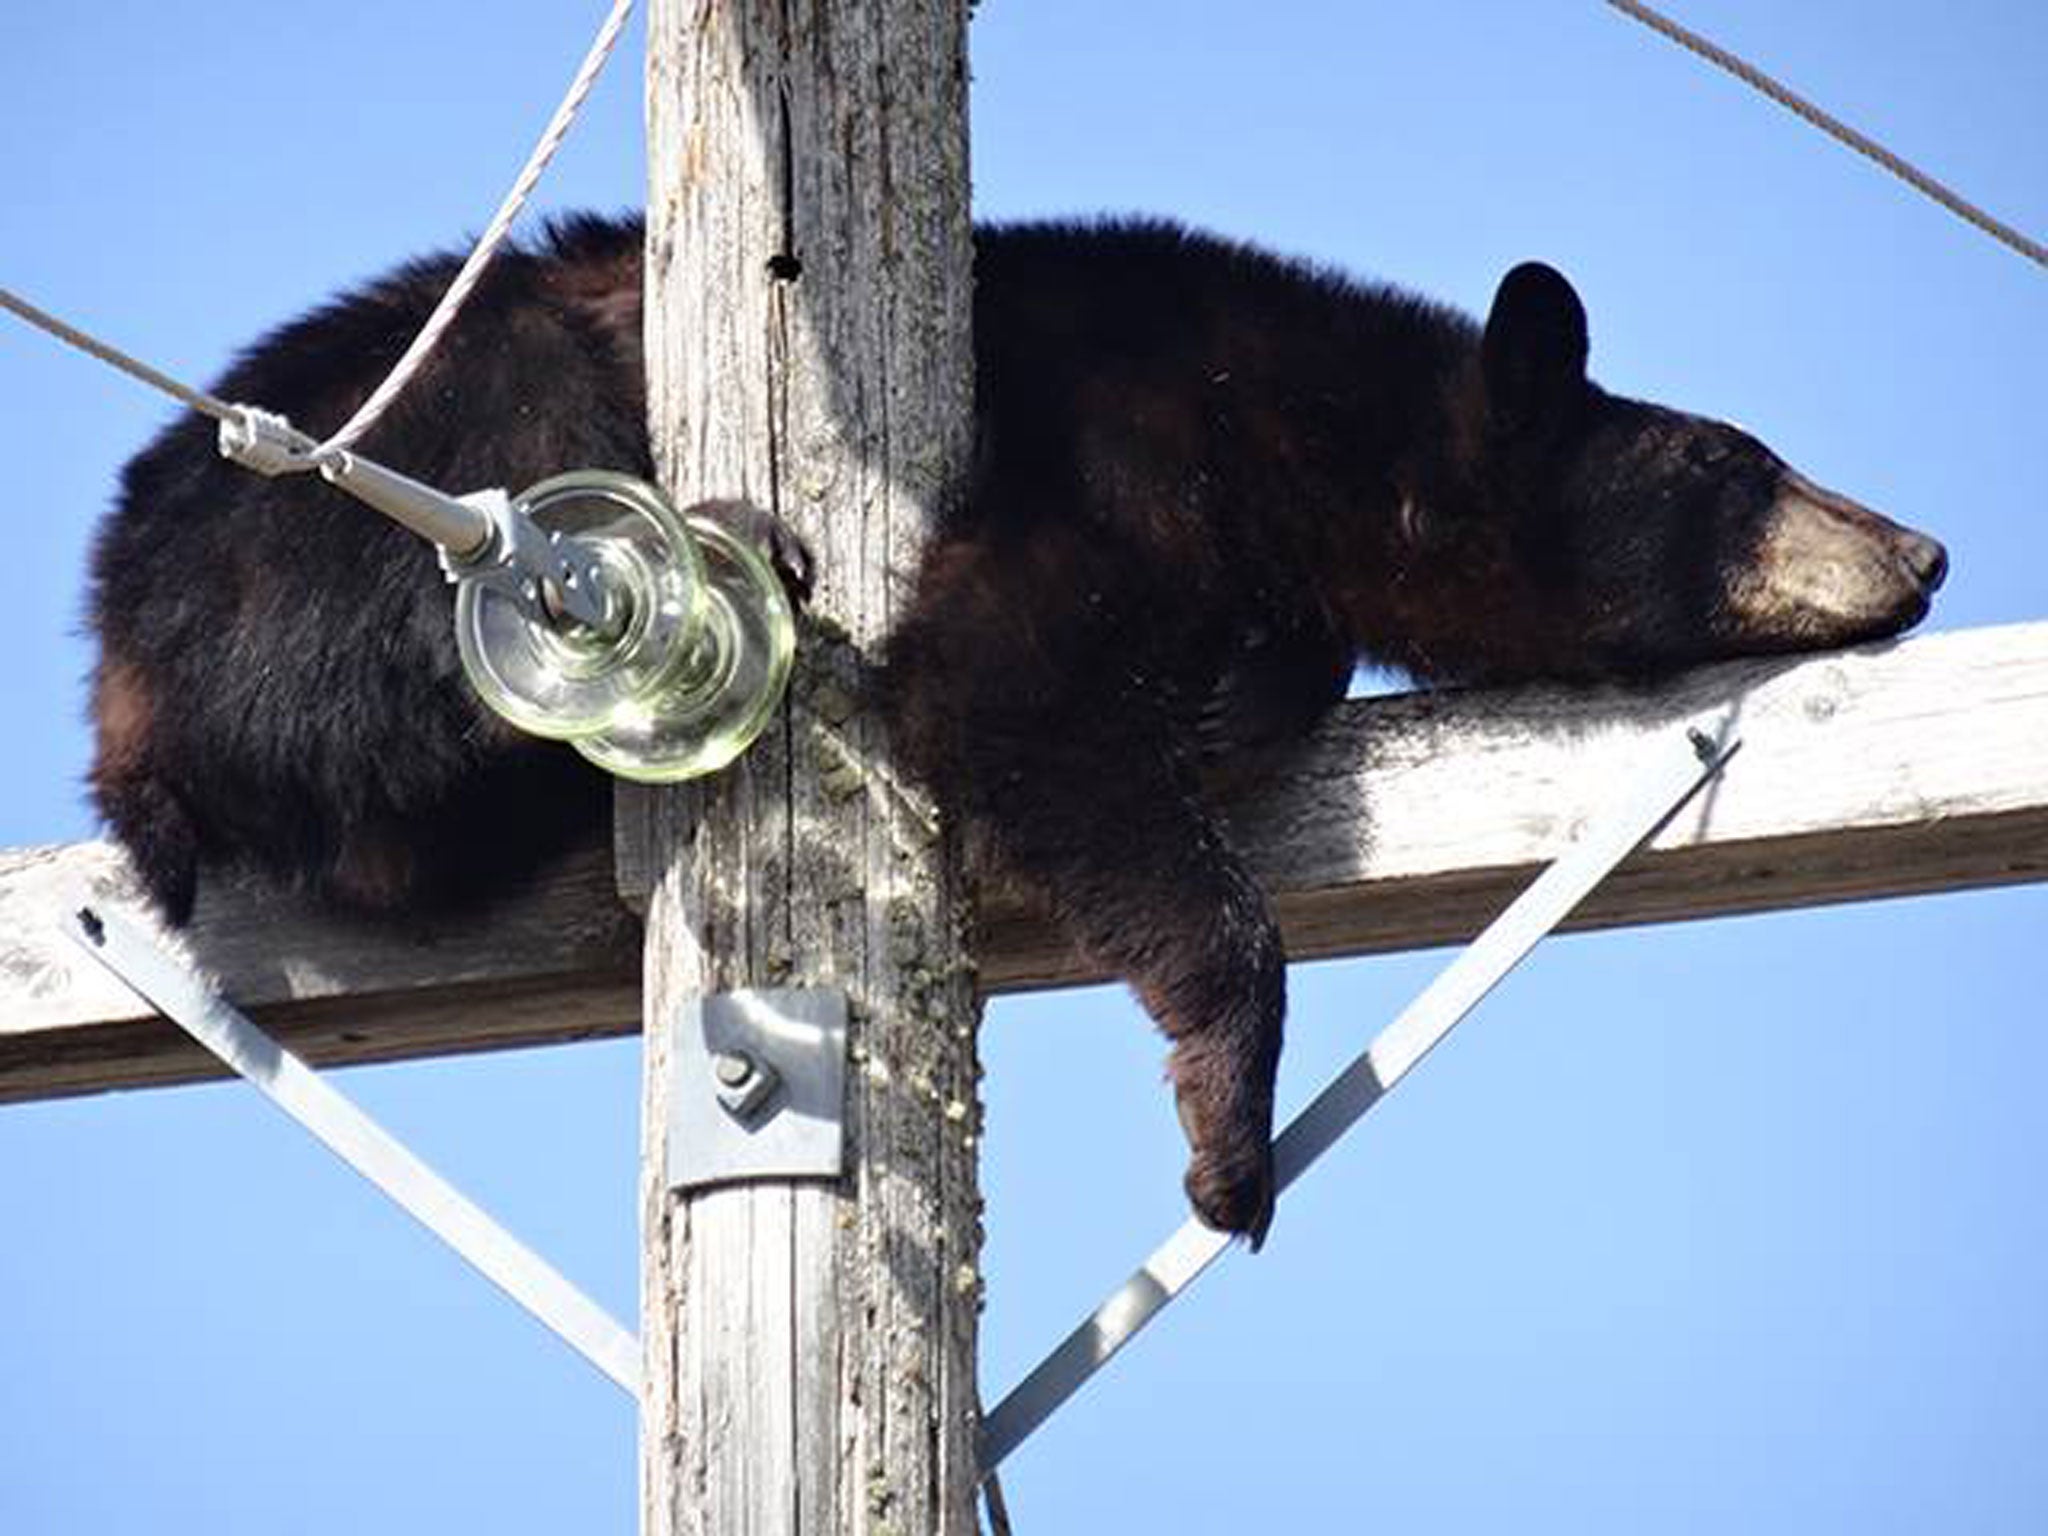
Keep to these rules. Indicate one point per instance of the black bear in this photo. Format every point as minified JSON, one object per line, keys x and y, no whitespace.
{"x":1207,"y":481}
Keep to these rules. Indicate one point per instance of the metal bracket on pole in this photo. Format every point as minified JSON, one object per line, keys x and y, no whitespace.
{"x":359,"y":1141}
{"x":535,"y":568}
{"x":1687,"y":761}
{"x":760,"y":1089}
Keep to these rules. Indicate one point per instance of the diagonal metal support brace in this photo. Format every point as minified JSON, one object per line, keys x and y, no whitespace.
{"x":1688,"y":761}
{"x":186,"y":1000}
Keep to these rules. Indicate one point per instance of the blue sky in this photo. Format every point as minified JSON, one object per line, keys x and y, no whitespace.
{"x":1722,"y":1226}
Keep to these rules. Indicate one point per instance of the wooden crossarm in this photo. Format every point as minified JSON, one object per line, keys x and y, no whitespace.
{"x":1408,"y":821}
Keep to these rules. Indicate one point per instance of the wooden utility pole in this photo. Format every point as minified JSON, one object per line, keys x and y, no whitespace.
{"x":810,"y":1346}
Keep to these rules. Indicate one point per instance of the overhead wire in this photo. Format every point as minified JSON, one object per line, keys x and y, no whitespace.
{"x":107,"y":352}
{"x":487,"y":244}
{"x":600,"y":51}
{"x":306,"y":454}
{"x":1835,"y":128}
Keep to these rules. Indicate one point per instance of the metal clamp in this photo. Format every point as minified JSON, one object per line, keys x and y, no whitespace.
{"x":265,"y":442}
{"x":541,"y":571}
{"x":483,"y":537}
{"x":759,"y":1087}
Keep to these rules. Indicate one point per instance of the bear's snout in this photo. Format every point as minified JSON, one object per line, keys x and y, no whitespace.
{"x":1830,"y":571}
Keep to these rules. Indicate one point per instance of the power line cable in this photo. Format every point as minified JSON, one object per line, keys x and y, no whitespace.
{"x":1835,"y":128}
{"x":198,"y":399}
{"x":487,"y":245}
{"x":297,"y":451}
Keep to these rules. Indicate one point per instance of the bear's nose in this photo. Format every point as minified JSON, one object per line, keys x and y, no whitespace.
{"x":1925,"y":558}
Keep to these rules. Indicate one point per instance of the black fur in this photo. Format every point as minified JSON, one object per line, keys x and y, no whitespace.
{"x":1207,"y":482}
{"x":278,"y":682}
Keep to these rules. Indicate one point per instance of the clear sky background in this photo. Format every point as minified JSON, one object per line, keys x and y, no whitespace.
{"x":1729,"y":1226}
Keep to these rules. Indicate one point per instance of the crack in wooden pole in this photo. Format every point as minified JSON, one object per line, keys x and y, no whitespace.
{"x":810,"y":1346}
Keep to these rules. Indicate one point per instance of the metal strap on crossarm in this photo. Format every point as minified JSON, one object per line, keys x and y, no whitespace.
{"x":359,"y":1141}
{"x":1687,"y":762}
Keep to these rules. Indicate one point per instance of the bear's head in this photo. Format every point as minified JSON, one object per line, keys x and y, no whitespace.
{"x":1612,"y":537}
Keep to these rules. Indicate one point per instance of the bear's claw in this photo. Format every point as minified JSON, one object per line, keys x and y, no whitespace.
{"x":788,"y":553}
{"x":1233,"y":1194}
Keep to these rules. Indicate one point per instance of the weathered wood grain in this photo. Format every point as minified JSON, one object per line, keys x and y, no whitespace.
{"x":1887,"y":771}
{"x":810,"y":1346}
{"x":560,"y":962}
{"x":1891,"y":770}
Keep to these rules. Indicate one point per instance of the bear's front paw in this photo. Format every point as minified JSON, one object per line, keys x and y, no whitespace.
{"x":1234,"y":1192}
{"x":790,"y":556}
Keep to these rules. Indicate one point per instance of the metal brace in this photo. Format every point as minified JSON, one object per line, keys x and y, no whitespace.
{"x":126,"y":949}
{"x":759,"y":1087}
{"x":1682,"y":763}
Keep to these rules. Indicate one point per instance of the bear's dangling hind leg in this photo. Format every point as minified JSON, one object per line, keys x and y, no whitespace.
{"x":1144,"y":883}
{"x":1061,"y":750}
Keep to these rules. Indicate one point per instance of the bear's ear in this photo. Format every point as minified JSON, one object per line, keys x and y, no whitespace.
{"x":1534,"y":354}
